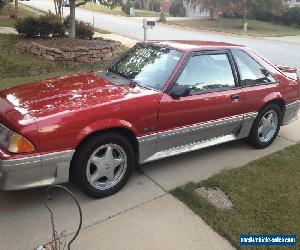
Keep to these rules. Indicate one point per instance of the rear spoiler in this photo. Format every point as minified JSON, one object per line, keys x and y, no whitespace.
{"x":289,"y":72}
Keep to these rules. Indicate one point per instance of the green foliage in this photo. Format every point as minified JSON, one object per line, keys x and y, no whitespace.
{"x":2,"y":4}
{"x":176,"y":8}
{"x":45,"y":26}
{"x":83,"y":30}
{"x":292,"y":17}
{"x":126,"y":7}
{"x":155,"y":5}
{"x":269,"y":10}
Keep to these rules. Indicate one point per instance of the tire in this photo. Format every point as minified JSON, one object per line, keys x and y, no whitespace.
{"x":259,"y":137}
{"x":103,"y":164}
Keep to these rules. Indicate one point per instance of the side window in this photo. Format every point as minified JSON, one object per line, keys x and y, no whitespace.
{"x":251,"y":72}
{"x":206,"y":73}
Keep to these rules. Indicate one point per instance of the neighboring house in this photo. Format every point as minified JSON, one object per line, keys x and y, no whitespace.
{"x":292,"y":3}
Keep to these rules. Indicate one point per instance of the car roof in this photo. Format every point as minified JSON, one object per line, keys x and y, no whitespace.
{"x":193,"y":45}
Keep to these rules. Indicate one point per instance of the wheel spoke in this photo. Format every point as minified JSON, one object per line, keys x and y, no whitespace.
{"x":110,"y":175}
{"x":117,"y":162}
{"x":97,"y":175}
{"x":97,"y":161}
{"x":109,"y":154}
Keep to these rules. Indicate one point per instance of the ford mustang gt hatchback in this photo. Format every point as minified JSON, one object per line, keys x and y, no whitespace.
{"x":161,"y":98}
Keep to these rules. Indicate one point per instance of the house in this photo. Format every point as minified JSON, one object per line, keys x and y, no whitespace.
{"x":292,"y":3}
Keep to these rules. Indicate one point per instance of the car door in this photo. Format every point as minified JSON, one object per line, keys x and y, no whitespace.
{"x":212,"y":110}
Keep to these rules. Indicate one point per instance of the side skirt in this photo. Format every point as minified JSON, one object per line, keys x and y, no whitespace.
{"x":169,"y":143}
{"x":191,"y":147}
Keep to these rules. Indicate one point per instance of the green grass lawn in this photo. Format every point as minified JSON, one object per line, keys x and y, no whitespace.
{"x":18,"y":67}
{"x":228,"y":25}
{"x":265,"y":194}
{"x":6,"y":21}
{"x":117,"y":10}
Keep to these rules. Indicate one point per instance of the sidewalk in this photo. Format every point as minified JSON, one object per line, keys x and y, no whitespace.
{"x":126,"y":41}
{"x":287,"y":39}
{"x":8,"y":30}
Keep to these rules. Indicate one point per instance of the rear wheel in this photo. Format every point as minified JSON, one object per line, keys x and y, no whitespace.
{"x":266,"y":126}
{"x":103,"y":164}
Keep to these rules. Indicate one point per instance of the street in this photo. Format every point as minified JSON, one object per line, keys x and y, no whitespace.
{"x":278,"y":52}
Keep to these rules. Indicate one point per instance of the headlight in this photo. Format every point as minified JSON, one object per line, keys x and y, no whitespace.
{"x":13,"y":142}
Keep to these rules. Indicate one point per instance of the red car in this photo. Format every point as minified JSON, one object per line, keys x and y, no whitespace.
{"x":159,"y":99}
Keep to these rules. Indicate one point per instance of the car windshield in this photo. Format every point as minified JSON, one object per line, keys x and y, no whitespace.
{"x":147,"y":65}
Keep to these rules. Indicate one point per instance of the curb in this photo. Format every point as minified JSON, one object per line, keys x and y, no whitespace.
{"x":229,"y":33}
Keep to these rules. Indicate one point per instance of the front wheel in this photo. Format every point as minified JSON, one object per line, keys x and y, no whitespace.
{"x":103,"y":164}
{"x":266,"y":126}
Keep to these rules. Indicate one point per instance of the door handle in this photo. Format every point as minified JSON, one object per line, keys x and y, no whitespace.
{"x":235,"y":97}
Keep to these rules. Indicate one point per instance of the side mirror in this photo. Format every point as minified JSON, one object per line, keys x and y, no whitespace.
{"x":179,"y":91}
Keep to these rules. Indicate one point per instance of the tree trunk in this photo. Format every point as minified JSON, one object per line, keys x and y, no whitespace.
{"x":211,"y":13}
{"x":16,"y":8}
{"x":244,"y":18}
{"x":72,"y":19}
{"x":245,"y":12}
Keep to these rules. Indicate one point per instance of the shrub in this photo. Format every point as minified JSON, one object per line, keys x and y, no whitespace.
{"x":264,"y":15}
{"x":177,"y":8}
{"x":291,"y":17}
{"x":155,"y":5}
{"x":27,"y":26}
{"x":83,"y":30}
{"x":2,"y":4}
{"x":126,"y":7}
{"x":42,"y":26}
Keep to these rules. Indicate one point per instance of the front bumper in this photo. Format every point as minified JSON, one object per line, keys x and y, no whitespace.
{"x":36,"y":171}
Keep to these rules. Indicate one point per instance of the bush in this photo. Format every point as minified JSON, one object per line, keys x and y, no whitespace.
{"x":45,"y":26}
{"x":2,"y":4}
{"x":82,"y":30}
{"x":27,"y":26}
{"x":264,"y":15}
{"x":291,"y":17}
{"x":176,"y":8}
{"x":154,"y":5}
{"x":126,"y":7}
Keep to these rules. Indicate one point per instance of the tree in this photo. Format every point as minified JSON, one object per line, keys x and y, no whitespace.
{"x":2,"y":4}
{"x":16,"y":8}
{"x":241,"y":6}
{"x":213,"y":6}
{"x":76,"y":3}
{"x":58,"y":5}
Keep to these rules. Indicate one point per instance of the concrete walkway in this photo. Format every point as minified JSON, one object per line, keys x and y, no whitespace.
{"x":143,"y":215}
{"x":8,"y":30}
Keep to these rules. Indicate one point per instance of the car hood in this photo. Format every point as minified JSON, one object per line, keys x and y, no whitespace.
{"x":69,"y":93}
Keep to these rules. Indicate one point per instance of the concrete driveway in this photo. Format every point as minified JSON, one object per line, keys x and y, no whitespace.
{"x":141,"y":216}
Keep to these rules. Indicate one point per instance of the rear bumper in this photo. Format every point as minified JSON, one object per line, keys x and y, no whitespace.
{"x":36,"y":171}
{"x":291,"y":112}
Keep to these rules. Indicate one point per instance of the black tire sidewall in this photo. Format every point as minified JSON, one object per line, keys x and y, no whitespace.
{"x":82,"y":155}
{"x":253,"y":137}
